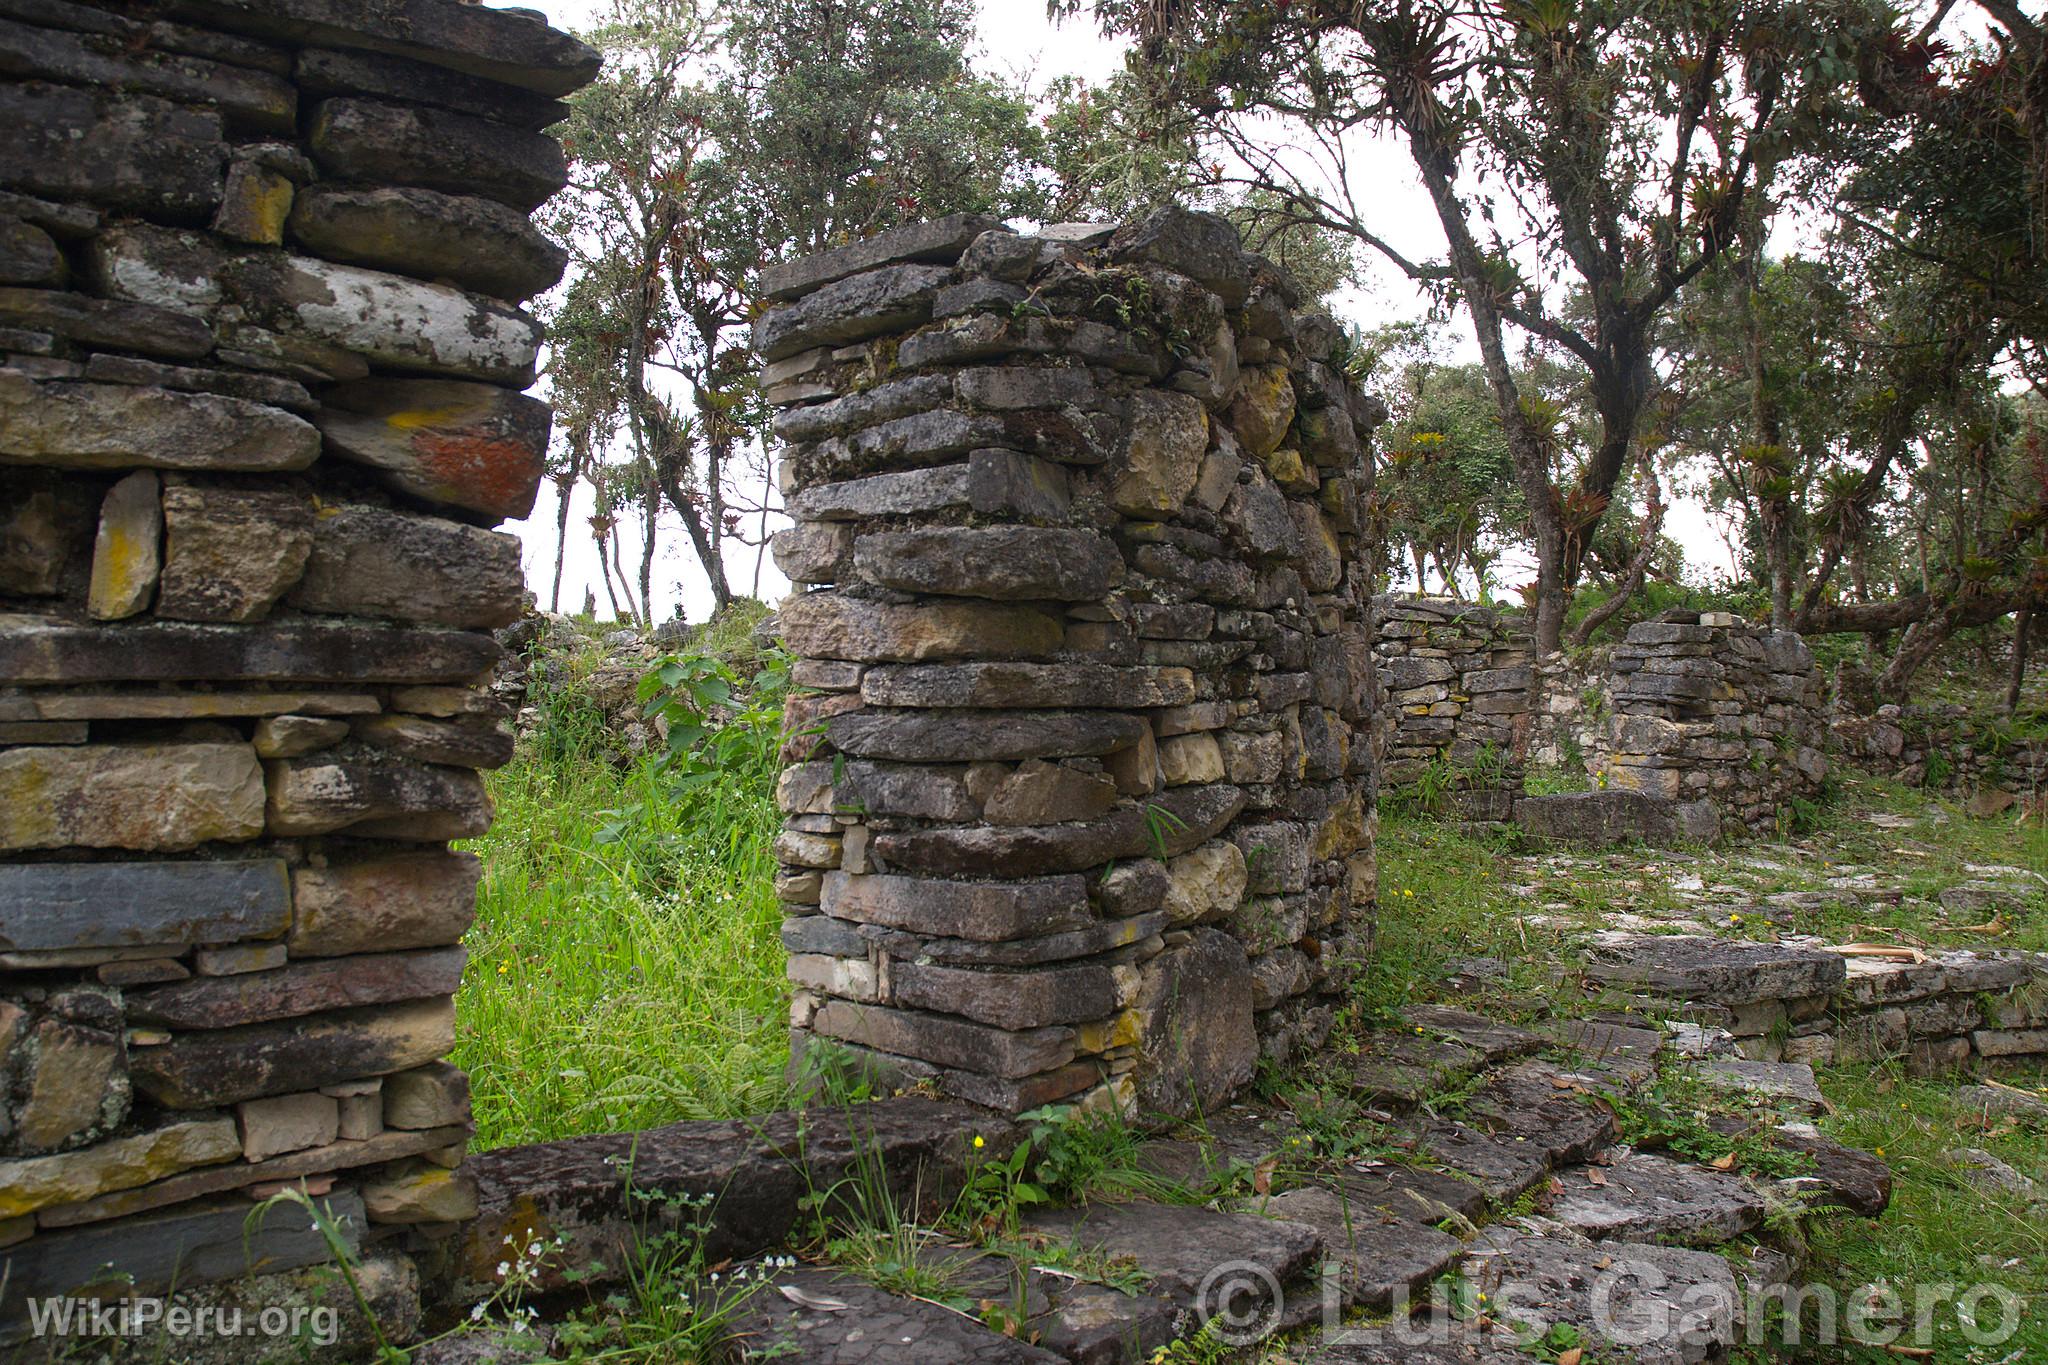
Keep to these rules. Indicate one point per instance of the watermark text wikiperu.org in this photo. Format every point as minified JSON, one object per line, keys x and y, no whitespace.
{"x":62,"y":1317}
{"x":1626,"y":1306}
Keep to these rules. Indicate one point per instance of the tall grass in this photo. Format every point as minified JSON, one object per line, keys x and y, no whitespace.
{"x":625,"y":969}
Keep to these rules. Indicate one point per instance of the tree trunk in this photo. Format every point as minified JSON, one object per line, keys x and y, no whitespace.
{"x":2015,"y":683}
{"x":561,"y":547}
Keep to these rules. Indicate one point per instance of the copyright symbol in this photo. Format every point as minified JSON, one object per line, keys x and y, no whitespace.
{"x":1240,"y":1302}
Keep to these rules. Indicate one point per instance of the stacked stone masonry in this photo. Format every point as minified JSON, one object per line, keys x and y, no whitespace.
{"x":1800,"y":1000}
{"x":1455,"y":685}
{"x":1713,"y":723}
{"x":1079,"y":798}
{"x":1942,"y":746}
{"x":261,"y":362}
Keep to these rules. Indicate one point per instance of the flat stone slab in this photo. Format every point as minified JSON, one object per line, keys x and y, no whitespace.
{"x":1778,"y":1082}
{"x":1503,"y":1168}
{"x":1546,"y":1110}
{"x":1992,"y":1099}
{"x":1842,"y":1176}
{"x":1620,"y":1052}
{"x":1538,"y":1281}
{"x":141,"y":904}
{"x":1703,"y":967}
{"x":1407,"y":1068}
{"x":1379,"y":1261}
{"x":1617,"y":816}
{"x":1646,"y":1197}
{"x":1178,"y":1246}
{"x":1390,"y":1190}
{"x":1496,"y":1042}
{"x":826,"y":1317}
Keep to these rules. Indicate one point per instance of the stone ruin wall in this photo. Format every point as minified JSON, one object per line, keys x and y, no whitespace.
{"x":1944,"y":747}
{"x":1084,"y":809}
{"x":260,"y":367}
{"x":1688,"y":709}
{"x":1455,"y":684}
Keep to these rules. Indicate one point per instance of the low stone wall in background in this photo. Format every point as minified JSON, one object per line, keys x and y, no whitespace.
{"x":1799,"y":1000}
{"x":1691,"y":711}
{"x":260,"y":367}
{"x":1705,"y":707}
{"x":1944,"y":747}
{"x":1084,"y":808}
{"x":1456,"y":681}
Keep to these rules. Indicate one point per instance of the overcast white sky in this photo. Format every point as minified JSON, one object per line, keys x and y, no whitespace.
{"x":1016,"y":38}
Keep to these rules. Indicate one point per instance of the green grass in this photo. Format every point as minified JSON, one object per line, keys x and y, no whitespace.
{"x":625,"y":969}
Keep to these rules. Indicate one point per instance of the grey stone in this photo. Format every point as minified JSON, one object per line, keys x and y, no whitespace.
{"x":1026,"y":685}
{"x":1646,"y":1197}
{"x":831,"y":625}
{"x":290,"y":736}
{"x":274,"y":390}
{"x":854,"y":308}
{"x":149,"y":797}
{"x":324,"y":71}
{"x":1041,"y":793}
{"x":367,"y":561}
{"x":29,"y":257}
{"x":1616,"y":816}
{"x":1772,"y":1082}
{"x":134,"y":152}
{"x":127,"y":552}
{"x":186,"y":1247}
{"x":992,"y":912}
{"x":300,"y":988}
{"x":359,"y":139}
{"x":1003,"y":562}
{"x":937,"y":239}
{"x":1177,"y":1247}
{"x":476,"y":243}
{"x":222,"y":1066}
{"x":927,"y":736}
{"x":1196,"y":1040}
{"x":251,"y":98}
{"x":834,"y":1318}
{"x":946,"y":1041}
{"x":375,"y":794}
{"x":1201,"y":246}
{"x":882,"y":495}
{"x":1009,"y":1000}
{"x":141,"y":904}
{"x":461,"y":742}
{"x":1169,"y":824}
{"x":1380,"y":1263}
{"x":431,"y":1096}
{"x":498,"y":45}
{"x":116,"y":426}
{"x":34,"y":649}
{"x":1722,"y":971}
{"x":230,"y":554}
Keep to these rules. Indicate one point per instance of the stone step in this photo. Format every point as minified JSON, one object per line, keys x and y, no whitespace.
{"x":819,"y":1316}
{"x":1645,"y":1197}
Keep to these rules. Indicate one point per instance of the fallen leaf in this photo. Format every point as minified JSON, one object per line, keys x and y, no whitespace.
{"x":1262,"y":1175}
{"x":1723,"y":1163}
{"x":1571,"y":1357}
{"x":1596,"y":1177}
{"x":818,"y":1301}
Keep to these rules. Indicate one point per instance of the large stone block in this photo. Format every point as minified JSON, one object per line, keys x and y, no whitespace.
{"x":1163,"y":456}
{"x":123,"y":426}
{"x":370,"y":316}
{"x":229,"y":554}
{"x":61,"y":906}
{"x":133,"y":152}
{"x":108,"y":323}
{"x":985,"y":912}
{"x":375,"y":141}
{"x":375,"y":794}
{"x":1010,"y":1000}
{"x":255,"y":100}
{"x":405,"y":900}
{"x":1027,"y":685}
{"x":330,"y":71}
{"x":369,"y":561}
{"x":183,"y":1248}
{"x":967,"y":736}
{"x":497,"y":45}
{"x":224,"y":1066}
{"x":157,"y":797}
{"x":888,"y":299}
{"x":39,"y":650}
{"x":945,"y":1041}
{"x":831,"y":625}
{"x":937,"y":240}
{"x":1004,"y":562}
{"x":1169,"y":824}
{"x":1196,"y":1042}
{"x":299,"y":988}
{"x":477,"y":447}
{"x":33,"y":1183}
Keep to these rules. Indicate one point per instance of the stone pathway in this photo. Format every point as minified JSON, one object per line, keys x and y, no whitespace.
{"x":1477,"y":1204}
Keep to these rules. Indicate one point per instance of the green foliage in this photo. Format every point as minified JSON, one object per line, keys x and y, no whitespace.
{"x":1672,"y":1113}
{"x":625,"y":966}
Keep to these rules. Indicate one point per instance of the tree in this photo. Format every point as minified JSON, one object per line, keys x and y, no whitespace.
{"x":719,"y":140}
{"x":1600,"y":152}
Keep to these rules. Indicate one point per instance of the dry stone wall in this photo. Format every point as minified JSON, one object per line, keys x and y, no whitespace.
{"x":1455,"y":685}
{"x":1696,"y":720}
{"x":1706,"y":708}
{"x":1080,"y":803}
{"x":261,"y":354}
